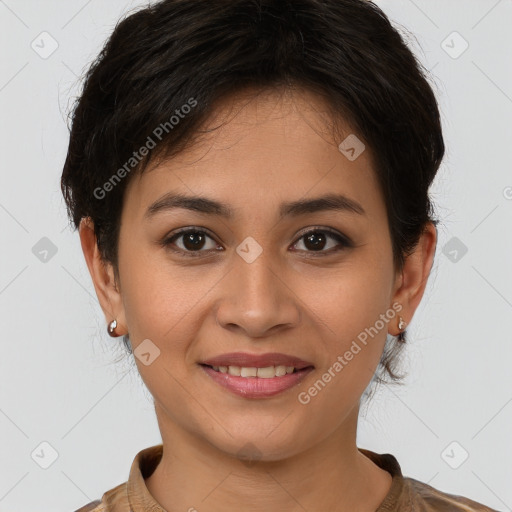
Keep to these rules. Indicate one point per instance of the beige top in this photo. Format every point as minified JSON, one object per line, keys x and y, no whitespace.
{"x":405,"y":494}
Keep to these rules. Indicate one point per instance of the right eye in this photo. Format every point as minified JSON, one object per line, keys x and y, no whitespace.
{"x":192,"y":241}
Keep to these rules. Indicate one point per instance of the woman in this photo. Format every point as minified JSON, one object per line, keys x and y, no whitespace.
{"x":250,"y":183}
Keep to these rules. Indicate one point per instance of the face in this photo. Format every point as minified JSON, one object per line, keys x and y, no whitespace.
{"x":303,"y":281}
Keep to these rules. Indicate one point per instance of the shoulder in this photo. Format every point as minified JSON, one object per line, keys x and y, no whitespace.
{"x":114,"y":500}
{"x":410,"y":495}
{"x":425,"y":498}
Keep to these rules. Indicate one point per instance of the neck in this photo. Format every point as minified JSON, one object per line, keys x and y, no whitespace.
{"x":331,"y":475}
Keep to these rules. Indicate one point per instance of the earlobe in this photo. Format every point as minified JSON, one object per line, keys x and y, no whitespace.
{"x":102,"y":275}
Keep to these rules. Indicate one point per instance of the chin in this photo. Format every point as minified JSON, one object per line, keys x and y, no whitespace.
{"x":260,"y":446}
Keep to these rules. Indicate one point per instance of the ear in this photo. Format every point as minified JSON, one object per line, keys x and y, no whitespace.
{"x":102,"y":274}
{"x":411,"y":282}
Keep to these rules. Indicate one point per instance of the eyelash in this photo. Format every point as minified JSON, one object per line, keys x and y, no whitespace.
{"x":342,"y":239}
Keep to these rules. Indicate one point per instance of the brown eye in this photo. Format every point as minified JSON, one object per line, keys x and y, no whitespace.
{"x":318,"y":240}
{"x":190,"y":241}
{"x":193,"y":240}
{"x":315,"y":241}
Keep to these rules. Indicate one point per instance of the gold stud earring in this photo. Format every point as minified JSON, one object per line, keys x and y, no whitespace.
{"x":112,"y":328}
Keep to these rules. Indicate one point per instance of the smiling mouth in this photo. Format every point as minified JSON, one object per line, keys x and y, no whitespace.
{"x":268,"y":372}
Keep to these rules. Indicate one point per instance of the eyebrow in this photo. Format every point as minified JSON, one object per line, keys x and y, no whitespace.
{"x":328,"y":202}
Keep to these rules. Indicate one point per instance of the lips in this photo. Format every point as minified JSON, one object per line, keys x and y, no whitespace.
{"x":244,"y":359}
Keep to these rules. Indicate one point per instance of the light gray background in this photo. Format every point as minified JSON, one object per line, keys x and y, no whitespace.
{"x":60,"y":382}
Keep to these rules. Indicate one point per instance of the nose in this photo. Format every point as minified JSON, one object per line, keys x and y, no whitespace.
{"x":257,"y":300}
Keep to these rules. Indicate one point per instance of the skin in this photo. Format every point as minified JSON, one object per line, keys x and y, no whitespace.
{"x":271,"y":149}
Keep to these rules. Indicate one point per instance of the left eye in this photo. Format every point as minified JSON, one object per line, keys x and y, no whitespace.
{"x":316,"y":240}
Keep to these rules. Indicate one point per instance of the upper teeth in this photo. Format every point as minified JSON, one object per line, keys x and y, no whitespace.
{"x":265,"y":373}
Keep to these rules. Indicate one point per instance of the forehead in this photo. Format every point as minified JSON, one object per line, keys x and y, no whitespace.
{"x":294,"y":112}
{"x":263,"y":143}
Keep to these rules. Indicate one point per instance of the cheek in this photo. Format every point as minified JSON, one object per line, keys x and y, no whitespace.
{"x":347,"y":309}
{"x":156,"y":293}
{"x":352,"y":347}
{"x":347,"y":300}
